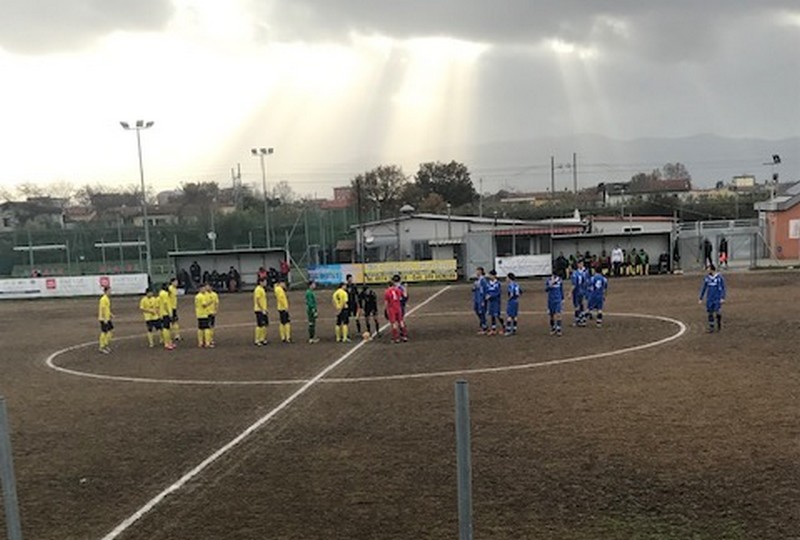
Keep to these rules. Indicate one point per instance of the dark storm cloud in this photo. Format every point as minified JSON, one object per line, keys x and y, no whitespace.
{"x":664,"y":31}
{"x":47,"y":26}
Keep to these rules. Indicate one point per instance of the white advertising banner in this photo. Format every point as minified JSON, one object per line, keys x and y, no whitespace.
{"x":524,"y":265}
{"x":53,"y":287}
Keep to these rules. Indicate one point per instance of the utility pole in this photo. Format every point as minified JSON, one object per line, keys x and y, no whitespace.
{"x":236,"y":178}
{"x":575,"y":177}
{"x":553,"y":178}
{"x":260,"y":153}
{"x":480,"y":197}
{"x":358,"y":217}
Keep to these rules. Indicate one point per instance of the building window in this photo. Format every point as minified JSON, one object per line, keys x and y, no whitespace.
{"x":513,"y":245}
{"x":6,"y":222}
{"x":422,"y":251}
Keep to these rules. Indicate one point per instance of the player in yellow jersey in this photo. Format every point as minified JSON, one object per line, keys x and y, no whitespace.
{"x":175,"y":327}
{"x":213,"y":309}
{"x":282,"y":302}
{"x":340,"y":305}
{"x":148,"y":305}
{"x":260,"y":309}
{"x":104,"y":315}
{"x":202,"y":305}
{"x":165,"y":312}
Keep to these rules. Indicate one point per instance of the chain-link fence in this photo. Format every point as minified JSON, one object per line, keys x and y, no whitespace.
{"x":309,"y":234}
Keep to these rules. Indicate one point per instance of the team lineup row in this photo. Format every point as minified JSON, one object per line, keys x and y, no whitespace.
{"x":160,"y":312}
{"x":588,"y":294}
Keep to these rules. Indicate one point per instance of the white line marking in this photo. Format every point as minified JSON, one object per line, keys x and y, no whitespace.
{"x":50,"y":362}
{"x":682,"y":328}
{"x":400,"y":377}
{"x":183,"y":480}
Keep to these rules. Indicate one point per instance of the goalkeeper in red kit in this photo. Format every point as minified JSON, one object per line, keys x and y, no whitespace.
{"x":393,"y":304}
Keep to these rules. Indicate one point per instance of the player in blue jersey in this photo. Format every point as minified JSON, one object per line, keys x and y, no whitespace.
{"x":494,"y":292}
{"x":597,"y":287}
{"x":714,"y":292}
{"x":554,"y":288}
{"x":512,"y":307}
{"x":579,"y":280}
{"x":479,"y":298}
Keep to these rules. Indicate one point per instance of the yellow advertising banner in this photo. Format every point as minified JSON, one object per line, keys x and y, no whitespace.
{"x":411,"y":271}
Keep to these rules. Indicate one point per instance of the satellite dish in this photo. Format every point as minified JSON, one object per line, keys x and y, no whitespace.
{"x":369,"y":236}
{"x":212,"y":235}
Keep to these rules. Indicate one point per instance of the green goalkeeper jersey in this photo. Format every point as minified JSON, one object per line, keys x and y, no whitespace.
{"x":311,"y":302}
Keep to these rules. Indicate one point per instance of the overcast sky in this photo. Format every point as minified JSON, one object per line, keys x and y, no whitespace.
{"x":337,"y":86}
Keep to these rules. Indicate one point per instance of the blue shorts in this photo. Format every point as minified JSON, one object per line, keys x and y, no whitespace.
{"x":512,"y":309}
{"x":596,"y":302}
{"x":554,"y":307}
{"x":713,"y":307}
{"x":493,"y":308}
{"x":479,"y":307}
{"x":577,"y":300}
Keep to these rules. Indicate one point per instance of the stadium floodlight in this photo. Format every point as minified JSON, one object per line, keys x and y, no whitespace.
{"x":260,"y":153}
{"x":776,"y":159}
{"x":138,"y":127}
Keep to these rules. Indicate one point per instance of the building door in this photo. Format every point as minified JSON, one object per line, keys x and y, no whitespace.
{"x":480,"y":251}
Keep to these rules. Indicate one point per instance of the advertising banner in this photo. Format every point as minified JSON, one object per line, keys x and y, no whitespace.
{"x":410,"y":271}
{"x":524,"y":265}
{"x":68,"y":286}
{"x":333,"y":274}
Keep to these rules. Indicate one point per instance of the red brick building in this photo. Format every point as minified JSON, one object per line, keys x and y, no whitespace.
{"x":781,"y":216}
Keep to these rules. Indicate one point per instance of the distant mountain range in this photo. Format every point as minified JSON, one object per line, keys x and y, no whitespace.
{"x":524,"y":165}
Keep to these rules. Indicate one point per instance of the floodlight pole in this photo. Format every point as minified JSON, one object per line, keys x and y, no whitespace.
{"x":138,"y":127}
{"x":464,"y":461}
{"x":13,"y":525}
{"x":261,"y":152}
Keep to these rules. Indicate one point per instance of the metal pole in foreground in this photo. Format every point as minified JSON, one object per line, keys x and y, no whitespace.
{"x":13,"y":525}
{"x":464,"y":461}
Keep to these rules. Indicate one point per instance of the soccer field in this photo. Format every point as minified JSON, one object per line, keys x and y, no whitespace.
{"x":646,"y":428}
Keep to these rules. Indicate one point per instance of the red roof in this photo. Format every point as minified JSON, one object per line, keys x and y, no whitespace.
{"x":538,"y":231}
{"x":632,"y":218}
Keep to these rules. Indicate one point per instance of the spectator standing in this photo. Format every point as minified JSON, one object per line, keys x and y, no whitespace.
{"x":195,"y":273}
{"x":645,"y":261}
{"x":723,"y":252}
{"x":616,"y":260}
{"x":561,"y":265}
{"x":708,"y":252}
{"x":285,"y":268}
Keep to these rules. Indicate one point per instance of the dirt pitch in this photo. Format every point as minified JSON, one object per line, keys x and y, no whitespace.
{"x":697,"y":438}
